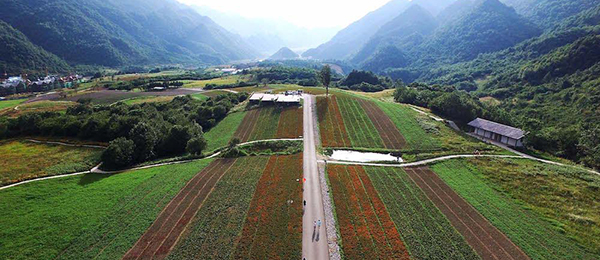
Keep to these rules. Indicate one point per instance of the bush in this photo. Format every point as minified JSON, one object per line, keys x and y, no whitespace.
{"x":196,"y":145}
{"x":120,"y":153}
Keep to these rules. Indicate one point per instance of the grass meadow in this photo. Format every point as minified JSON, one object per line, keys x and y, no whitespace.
{"x":220,"y":135}
{"x":90,"y":216}
{"x":22,"y":160}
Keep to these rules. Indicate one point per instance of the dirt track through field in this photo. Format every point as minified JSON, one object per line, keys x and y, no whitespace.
{"x":247,"y":126}
{"x":391,"y":136}
{"x":485,"y":239}
{"x":163,"y":234}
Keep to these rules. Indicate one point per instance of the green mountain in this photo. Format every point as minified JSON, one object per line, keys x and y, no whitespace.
{"x":114,"y":33}
{"x":18,"y":52}
{"x":407,"y":30}
{"x":548,"y":13}
{"x":284,"y":54}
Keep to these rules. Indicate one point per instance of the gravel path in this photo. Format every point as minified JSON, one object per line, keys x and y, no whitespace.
{"x":330,"y":221}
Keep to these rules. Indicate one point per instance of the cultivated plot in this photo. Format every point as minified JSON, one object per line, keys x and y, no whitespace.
{"x":361,"y":130}
{"x":545,"y":210}
{"x":366,"y":228}
{"x":331,"y":123}
{"x":273,"y":226}
{"x":270,"y":123}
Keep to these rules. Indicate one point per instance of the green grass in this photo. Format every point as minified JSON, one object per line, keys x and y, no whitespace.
{"x":147,"y":99}
{"x":361,"y":130}
{"x":23,"y":160}
{"x":218,"y":81}
{"x":550,"y":212}
{"x":425,"y":231}
{"x":11,"y":103}
{"x":266,"y":128}
{"x":220,"y":135}
{"x":213,"y":234}
{"x":200,"y":97}
{"x":87,"y":216}
{"x":405,"y":120}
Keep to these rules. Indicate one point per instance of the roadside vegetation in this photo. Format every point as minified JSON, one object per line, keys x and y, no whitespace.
{"x":87,"y":216}
{"x":22,"y":160}
{"x":551,"y":212}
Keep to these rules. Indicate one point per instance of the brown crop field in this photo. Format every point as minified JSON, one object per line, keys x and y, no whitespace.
{"x":290,"y":123}
{"x":391,"y":136}
{"x":247,"y":126}
{"x":163,"y":234}
{"x":366,"y":227}
{"x":273,"y":227}
{"x":483,"y":237}
{"x":331,"y":123}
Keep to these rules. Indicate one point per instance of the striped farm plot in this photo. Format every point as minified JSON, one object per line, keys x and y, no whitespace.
{"x":365,"y":226}
{"x":405,"y":120}
{"x":273,"y":226}
{"x":360,"y":129}
{"x":426,"y":232}
{"x":270,"y":123}
{"x":214,"y":232}
{"x":331,"y":124}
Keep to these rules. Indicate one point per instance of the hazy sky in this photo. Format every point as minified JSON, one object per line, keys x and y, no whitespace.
{"x":305,"y":13}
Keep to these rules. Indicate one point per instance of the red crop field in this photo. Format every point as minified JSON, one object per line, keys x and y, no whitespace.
{"x":247,"y":126}
{"x":163,"y":234}
{"x":365,"y":225}
{"x":391,"y":136}
{"x":290,"y":123}
{"x":273,"y":227}
{"x":331,"y":123}
{"x":482,"y":236}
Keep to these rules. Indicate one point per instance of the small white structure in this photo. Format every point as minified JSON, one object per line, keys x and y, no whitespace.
{"x":269,"y":98}
{"x":497,"y":132}
{"x":256,"y":98}
{"x":285,"y":99}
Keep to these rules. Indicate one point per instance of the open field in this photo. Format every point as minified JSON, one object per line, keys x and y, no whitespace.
{"x":217,"y":81}
{"x":10,"y":103}
{"x":331,"y":125}
{"x":22,"y":160}
{"x":87,"y":216}
{"x":163,"y":234}
{"x":365,"y":225}
{"x":290,"y":123}
{"x":214,"y":232}
{"x":551,"y":212}
{"x":426,"y":232}
{"x":247,"y":125}
{"x":273,"y":226}
{"x":148,"y":99}
{"x":266,"y":126}
{"x":483,"y":237}
{"x":391,"y":137}
{"x":214,"y":93}
{"x":42,"y":106}
{"x":224,"y":131}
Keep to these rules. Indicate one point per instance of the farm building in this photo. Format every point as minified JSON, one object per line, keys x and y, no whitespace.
{"x":262,"y":98}
{"x":497,"y":132}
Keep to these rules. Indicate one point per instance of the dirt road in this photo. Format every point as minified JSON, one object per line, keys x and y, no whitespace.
{"x":314,"y":240}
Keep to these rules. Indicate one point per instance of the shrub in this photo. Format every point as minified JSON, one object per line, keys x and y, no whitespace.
{"x":120,"y":153}
{"x":196,"y":145}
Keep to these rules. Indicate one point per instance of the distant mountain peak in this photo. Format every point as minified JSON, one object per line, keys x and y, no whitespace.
{"x":284,"y":53}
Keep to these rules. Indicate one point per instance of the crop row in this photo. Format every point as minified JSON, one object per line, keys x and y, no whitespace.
{"x":390,"y":135}
{"x":365,"y":225}
{"x":290,"y":123}
{"x":406,"y":121}
{"x":331,"y":125}
{"x":360,"y":129}
{"x":247,"y":125}
{"x":426,"y":232}
{"x":267,"y":122}
{"x":525,"y":228}
{"x":273,"y":227}
{"x":214,"y":232}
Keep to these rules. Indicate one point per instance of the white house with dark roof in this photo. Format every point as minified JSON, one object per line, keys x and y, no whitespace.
{"x":497,"y":132}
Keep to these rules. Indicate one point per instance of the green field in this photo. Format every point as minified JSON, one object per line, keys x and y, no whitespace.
{"x":406,"y":121}
{"x":361,"y":130}
{"x":266,"y":128}
{"x":87,"y":216}
{"x":23,"y":160}
{"x":548,"y":211}
{"x":147,"y":99}
{"x":218,"y":81}
{"x":200,"y":96}
{"x":11,"y":103}
{"x":220,"y":135}
{"x":426,"y":232}
{"x":213,"y":234}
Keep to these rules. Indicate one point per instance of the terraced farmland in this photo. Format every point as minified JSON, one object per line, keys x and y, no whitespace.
{"x":365,"y":225}
{"x":273,"y":227}
{"x":213,"y":234}
{"x":426,"y":232}
{"x":539,"y":220}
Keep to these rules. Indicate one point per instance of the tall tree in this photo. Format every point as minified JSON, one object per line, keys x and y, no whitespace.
{"x":325,"y":77}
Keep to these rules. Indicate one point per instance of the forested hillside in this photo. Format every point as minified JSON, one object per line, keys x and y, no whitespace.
{"x":18,"y":53}
{"x":115,"y":33}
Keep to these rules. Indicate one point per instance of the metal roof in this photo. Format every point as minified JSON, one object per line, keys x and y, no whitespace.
{"x":257,"y":96}
{"x":288,"y":99}
{"x":504,"y":130}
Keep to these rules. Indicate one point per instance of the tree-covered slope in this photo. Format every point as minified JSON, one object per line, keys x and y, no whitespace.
{"x":284,"y":54}
{"x":18,"y":52}
{"x":114,"y":33}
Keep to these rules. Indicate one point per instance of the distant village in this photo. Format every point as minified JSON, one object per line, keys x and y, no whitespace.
{"x":10,"y":85}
